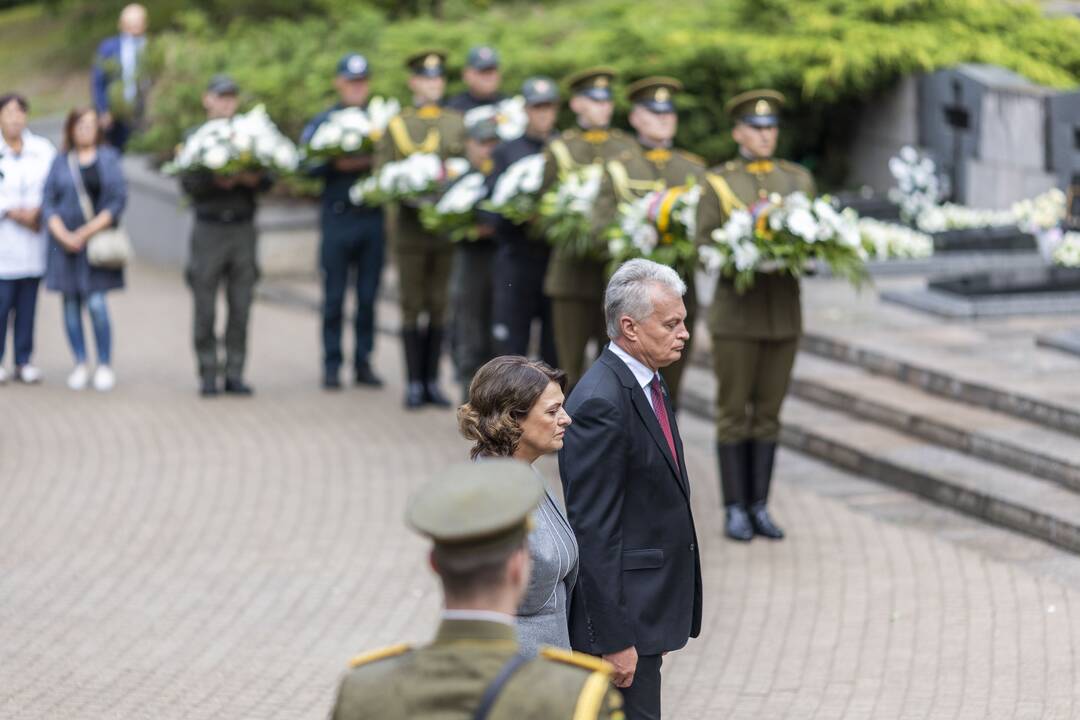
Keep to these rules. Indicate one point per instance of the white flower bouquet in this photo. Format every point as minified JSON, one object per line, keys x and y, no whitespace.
{"x":659,"y":226}
{"x":509,"y":116}
{"x":1044,"y":212}
{"x":411,"y":181}
{"x":454,"y":214}
{"x":786,"y":235}
{"x":1067,"y":253}
{"x":917,"y":183}
{"x":245,"y":142}
{"x":515,"y":195}
{"x":950,"y":216}
{"x":565,"y":211}
{"x":886,"y":241}
{"x":351,"y":130}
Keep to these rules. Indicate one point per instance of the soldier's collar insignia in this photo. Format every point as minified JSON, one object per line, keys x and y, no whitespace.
{"x":658,"y":155}
{"x":595,"y":136}
{"x":760,"y":167}
{"x":429,"y":112}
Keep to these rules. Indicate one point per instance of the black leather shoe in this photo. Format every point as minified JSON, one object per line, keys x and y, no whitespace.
{"x":236,"y":386}
{"x":763,"y":524}
{"x":208,"y":387}
{"x":414,"y":395}
{"x":365,"y":376}
{"x":737,"y":523}
{"x":434,"y":394}
{"x":331,"y":381}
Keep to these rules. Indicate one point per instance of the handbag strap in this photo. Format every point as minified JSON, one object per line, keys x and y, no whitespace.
{"x":76,"y":176}
{"x":491,"y":693}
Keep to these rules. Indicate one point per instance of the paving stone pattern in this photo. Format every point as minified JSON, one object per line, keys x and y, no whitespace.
{"x":163,"y":556}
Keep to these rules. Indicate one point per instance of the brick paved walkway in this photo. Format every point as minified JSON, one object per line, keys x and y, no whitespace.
{"x":167,"y":557}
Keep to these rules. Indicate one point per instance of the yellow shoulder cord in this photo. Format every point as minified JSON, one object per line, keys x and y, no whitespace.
{"x":404,"y":143}
{"x":591,"y":698}
{"x":728,"y":200}
{"x":620,"y":180}
{"x":563,"y":158}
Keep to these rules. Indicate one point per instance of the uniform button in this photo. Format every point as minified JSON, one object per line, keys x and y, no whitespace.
{"x":693,"y":547}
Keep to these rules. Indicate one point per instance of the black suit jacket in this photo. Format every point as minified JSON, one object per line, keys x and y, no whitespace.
{"x":628,"y":501}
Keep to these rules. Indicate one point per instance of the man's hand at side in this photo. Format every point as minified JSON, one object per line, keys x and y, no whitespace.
{"x":625,"y":662}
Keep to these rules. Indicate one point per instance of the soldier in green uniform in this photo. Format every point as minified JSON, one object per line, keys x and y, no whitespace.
{"x":574,"y":284}
{"x":478,"y":517}
{"x":423,"y":259}
{"x":755,"y":335}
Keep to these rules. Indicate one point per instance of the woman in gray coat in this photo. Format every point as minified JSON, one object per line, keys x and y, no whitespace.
{"x":515,"y":409}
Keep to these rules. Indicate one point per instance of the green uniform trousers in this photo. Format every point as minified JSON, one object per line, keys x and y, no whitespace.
{"x":752,"y":379}
{"x":222,"y":253}
{"x":423,"y":262}
{"x":576,"y":321}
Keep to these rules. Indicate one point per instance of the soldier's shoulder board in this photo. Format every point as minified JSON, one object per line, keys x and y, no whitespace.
{"x":380,"y":654}
{"x":792,"y":167}
{"x":570,"y":133}
{"x":695,"y":159}
{"x":577,"y":659}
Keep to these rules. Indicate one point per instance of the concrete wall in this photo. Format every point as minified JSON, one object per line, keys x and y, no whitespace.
{"x":888,"y":122}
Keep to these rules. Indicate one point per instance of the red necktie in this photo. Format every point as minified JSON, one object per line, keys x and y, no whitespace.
{"x":661,"y":415}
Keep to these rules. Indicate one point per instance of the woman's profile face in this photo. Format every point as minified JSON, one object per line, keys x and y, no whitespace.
{"x":543,"y":428}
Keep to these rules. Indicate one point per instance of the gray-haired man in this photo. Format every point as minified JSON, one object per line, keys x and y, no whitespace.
{"x":627,"y":492}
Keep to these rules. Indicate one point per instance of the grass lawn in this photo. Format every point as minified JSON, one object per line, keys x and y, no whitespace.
{"x":39,"y":60}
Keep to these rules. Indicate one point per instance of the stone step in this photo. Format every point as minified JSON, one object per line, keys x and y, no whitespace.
{"x":979,"y":488}
{"x":937,"y":382}
{"x":985,"y":434}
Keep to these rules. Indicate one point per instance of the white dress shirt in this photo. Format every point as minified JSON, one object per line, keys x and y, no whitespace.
{"x":22,"y":180}
{"x":641,"y":372}
{"x":130,"y":49}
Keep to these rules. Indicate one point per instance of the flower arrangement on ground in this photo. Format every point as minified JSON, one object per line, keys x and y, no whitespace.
{"x":786,"y":235}
{"x":887,"y":241}
{"x":917,"y":183}
{"x":565,"y":211}
{"x":245,"y":142}
{"x":515,"y":195}
{"x":659,"y":226}
{"x":454,"y":215}
{"x":417,"y":178}
{"x":351,"y":130}
{"x":1067,"y":252}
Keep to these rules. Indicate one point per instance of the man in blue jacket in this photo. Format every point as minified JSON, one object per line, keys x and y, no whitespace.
{"x":352,"y":237}
{"x":118,"y":82}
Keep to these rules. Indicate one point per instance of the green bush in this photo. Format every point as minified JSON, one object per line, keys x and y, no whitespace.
{"x":828,"y":56}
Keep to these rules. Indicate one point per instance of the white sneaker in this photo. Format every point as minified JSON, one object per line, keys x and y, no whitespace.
{"x":3,"y":375}
{"x":79,"y":377}
{"x":104,"y":378}
{"x":28,"y":374}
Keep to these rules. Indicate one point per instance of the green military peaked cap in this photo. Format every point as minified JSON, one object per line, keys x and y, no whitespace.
{"x":760,"y":108}
{"x":430,"y":63}
{"x":655,"y":93}
{"x":594,"y":82}
{"x":477,"y":507}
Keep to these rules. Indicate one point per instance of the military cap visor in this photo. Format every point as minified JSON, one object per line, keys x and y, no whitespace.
{"x":655,"y":94}
{"x":594,"y":83}
{"x":430,"y":63}
{"x":477,"y":507}
{"x":222,"y":85}
{"x":482,"y":58}
{"x":757,"y":108}
{"x":353,"y":67}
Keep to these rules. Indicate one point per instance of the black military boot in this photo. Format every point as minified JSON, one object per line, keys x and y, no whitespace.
{"x":733,"y":471}
{"x":762,"y":456}
{"x":414,"y":368}
{"x":432,"y":352}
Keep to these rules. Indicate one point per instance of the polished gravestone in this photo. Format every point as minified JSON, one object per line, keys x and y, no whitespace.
{"x":1018,"y":291}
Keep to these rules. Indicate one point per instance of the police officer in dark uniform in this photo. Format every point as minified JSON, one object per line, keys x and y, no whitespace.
{"x":423,"y":259}
{"x":223,"y":251}
{"x":521,"y":258}
{"x":575,"y":284}
{"x":352,"y":237}
{"x":482,"y":78}
{"x":471,"y":276}
{"x":755,"y":335}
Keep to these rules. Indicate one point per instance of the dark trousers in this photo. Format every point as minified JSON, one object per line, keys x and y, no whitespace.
{"x":18,"y":297}
{"x":352,"y":245}
{"x":222,"y":254}
{"x":643,"y":696}
{"x":118,"y":135}
{"x":470,"y":298}
{"x":519,"y":299}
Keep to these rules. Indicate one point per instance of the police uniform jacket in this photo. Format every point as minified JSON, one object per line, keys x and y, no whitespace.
{"x":503,"y":156}
{"x":336,"y":184}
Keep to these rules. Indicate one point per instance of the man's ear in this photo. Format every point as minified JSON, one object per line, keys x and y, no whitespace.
{"x":629,"y":327}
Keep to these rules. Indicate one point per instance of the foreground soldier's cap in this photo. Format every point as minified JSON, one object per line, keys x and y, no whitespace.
{"x":540,"y":90}
{"x":594,"y":83}
{"x":429,"y":63}
{"x":482,"y":58}
{"x":655,"y":93}
{"x":759,"y":108}
{"x":476,"y":509}
{"x":353,"y":66}
{"x":222,"y":84}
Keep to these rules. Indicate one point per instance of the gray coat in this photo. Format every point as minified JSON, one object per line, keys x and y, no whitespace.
{"x":542,"y":616}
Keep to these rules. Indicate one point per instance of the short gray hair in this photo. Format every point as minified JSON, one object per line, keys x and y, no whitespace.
{"x":628,"y":291}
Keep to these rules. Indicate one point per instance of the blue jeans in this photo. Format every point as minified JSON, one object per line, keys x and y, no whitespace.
{"x":18,"y":297}
{"x":352,"y":243}
{"x":99,"y":317}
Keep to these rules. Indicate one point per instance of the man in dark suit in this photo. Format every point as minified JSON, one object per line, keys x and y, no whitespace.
{"x":118,"y":81}
{"x":627,"y":493}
